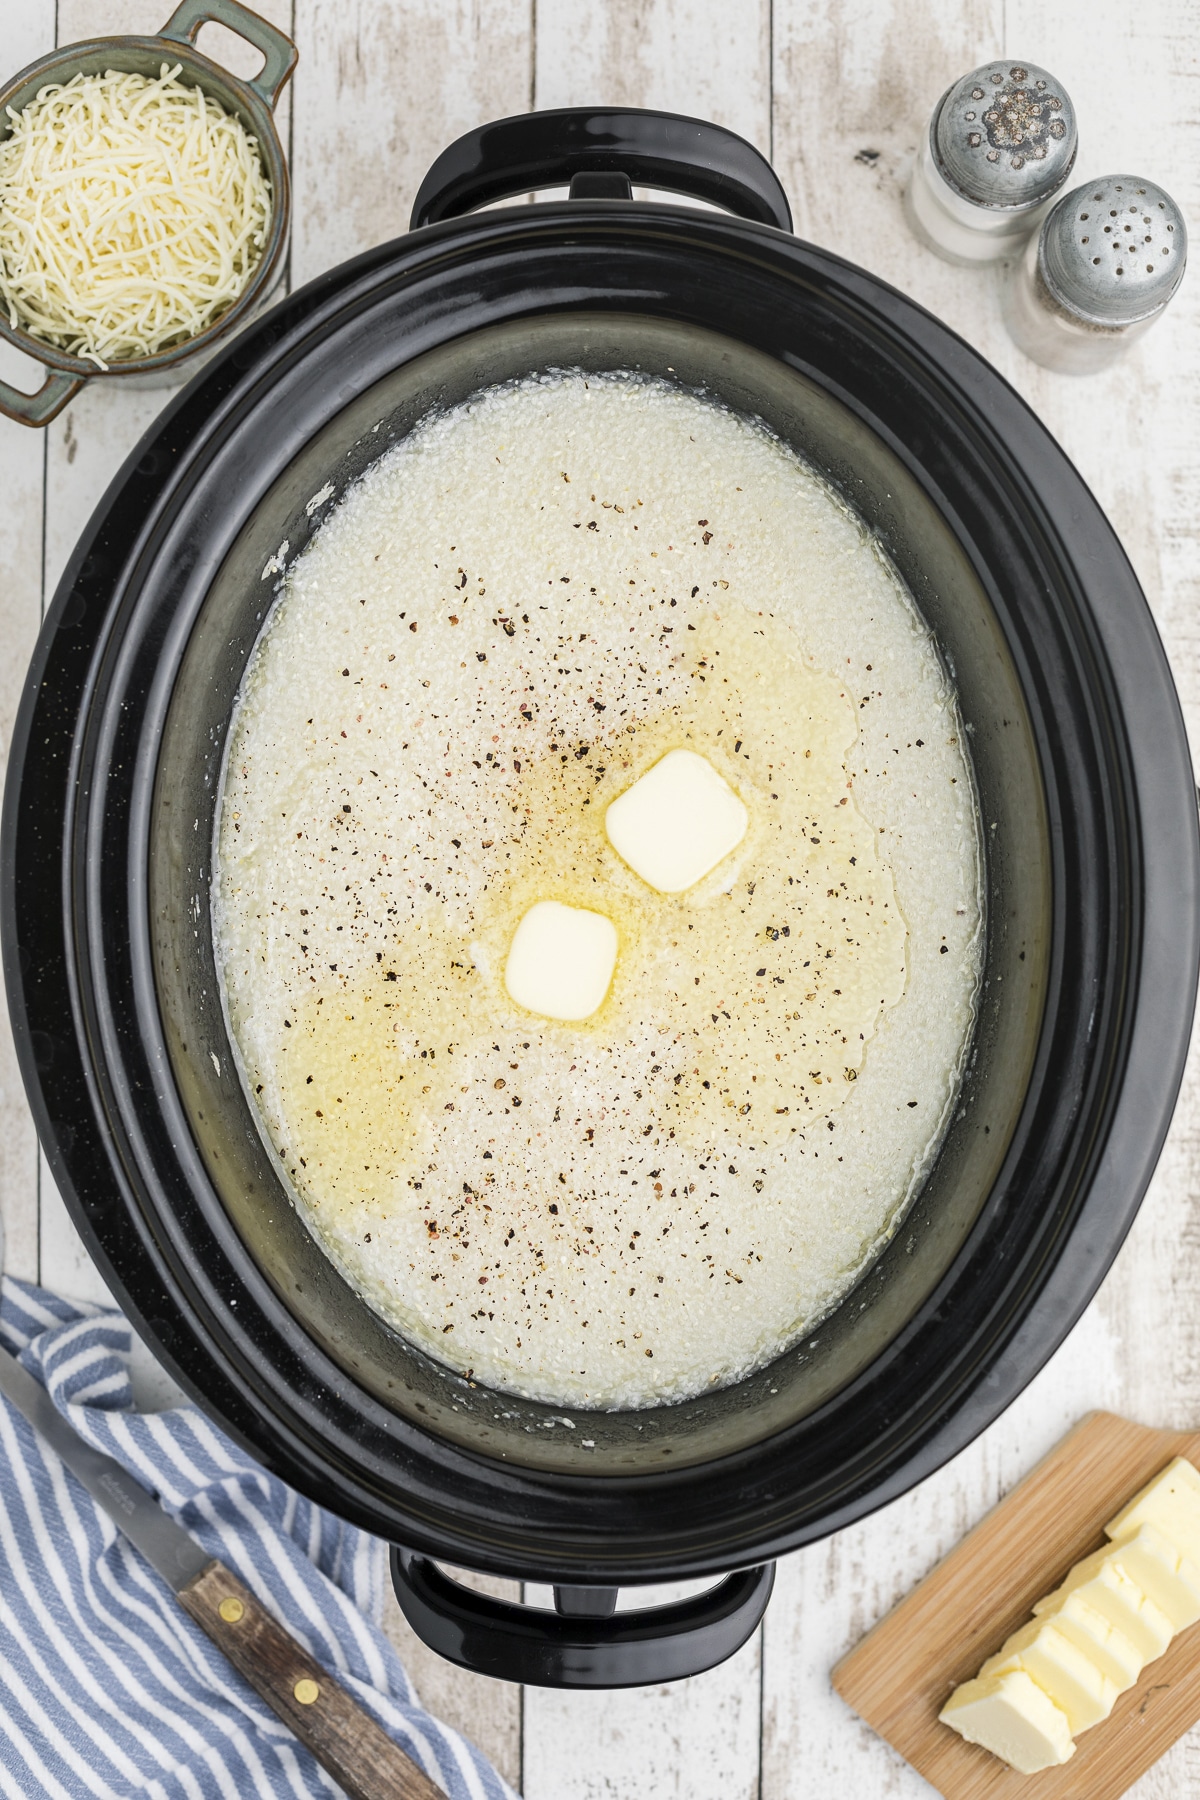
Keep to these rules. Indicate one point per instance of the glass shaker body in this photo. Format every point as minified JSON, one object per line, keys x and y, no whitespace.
{"x":1051,"y":335}
{"x":1098,"y":274}
{"x":960,"y":230}
{"x":1000,"y":144}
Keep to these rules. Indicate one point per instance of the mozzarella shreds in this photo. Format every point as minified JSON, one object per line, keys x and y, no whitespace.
{"x":133,"y":212}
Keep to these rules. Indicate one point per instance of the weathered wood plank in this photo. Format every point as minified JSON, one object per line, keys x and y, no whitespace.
{"x":382,"y":87}
{"x":29,"y":33}
{"x":84,"y":447}
{"x":847,"y":84}
{"x":486,"y":1711}
{"x":699,"y":1738}
{"x":380,"y":90}
{"x":685,"y":56}
{"x":852,"y":92}
{"x":688,"y":1740}
{"x":900,"y":1676}
{"x":1133,"y":433}
{"x":828,"y":1595}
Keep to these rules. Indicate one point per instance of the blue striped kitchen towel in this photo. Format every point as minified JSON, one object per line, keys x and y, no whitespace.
{"x":107,"y":1688}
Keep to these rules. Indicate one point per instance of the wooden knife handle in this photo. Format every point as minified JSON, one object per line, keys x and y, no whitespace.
{"x":344,"y":1738}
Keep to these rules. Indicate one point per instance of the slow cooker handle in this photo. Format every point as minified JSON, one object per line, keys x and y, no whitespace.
{"x":583,"y":1643}
{"x":549,"y":149}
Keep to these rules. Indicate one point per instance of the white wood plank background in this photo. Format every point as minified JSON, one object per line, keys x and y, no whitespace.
{"x":837,"y":92}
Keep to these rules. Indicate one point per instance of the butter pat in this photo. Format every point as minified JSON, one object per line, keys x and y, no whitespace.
{"x":677,"y":822}
{"x":1171,"y":1502}
{"x":1011,"y":1716}
{"x":561,"y":960}
{"x":1077,"y":1687}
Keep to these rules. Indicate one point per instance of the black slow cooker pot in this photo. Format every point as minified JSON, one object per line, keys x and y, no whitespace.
{"x":1089,"y":820}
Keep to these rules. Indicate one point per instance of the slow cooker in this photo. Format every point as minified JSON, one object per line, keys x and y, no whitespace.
{"x":1088,"y":816}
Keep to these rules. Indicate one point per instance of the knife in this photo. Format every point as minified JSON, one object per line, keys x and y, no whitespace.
{"x":343,"y":1737}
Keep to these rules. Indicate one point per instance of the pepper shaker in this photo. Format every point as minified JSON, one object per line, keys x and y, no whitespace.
{"x":1101,"y":270}
{"x":1000,"y":145}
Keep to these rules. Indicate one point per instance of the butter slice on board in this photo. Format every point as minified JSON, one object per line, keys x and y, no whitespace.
{"x":1071,"y":1680}
{"x":1010,"y":1716}
{"x":1171,"y":1502}
{"x":1163,"y":1572}
{"x":1091,"y":1632}
{"x":1105,"y":1585}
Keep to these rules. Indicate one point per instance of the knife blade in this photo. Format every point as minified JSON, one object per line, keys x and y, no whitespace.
{"x":343,"y":1737}
{"x":165,"y":1545}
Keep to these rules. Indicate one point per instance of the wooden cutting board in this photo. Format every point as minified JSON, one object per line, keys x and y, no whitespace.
{"x":899,"y":1677}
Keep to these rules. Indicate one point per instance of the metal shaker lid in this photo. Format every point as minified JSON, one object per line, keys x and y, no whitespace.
{"x":1113,"y":251}
{"x":1004,"y":136}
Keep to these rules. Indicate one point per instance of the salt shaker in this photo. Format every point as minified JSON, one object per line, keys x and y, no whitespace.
{"x":1000,"y":145}
{"x":1103,"y":267}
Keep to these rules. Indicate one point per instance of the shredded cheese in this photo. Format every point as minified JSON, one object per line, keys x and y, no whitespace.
{"x":132,"y":214}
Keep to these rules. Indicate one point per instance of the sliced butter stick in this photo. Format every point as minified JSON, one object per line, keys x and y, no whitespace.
{"x":1089,"y":1640}
{"x":1011,"y":1716}
{"x":1077,"y":1687}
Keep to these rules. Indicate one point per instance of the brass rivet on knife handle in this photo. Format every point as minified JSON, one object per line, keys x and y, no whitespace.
{"x":341,"y":1734}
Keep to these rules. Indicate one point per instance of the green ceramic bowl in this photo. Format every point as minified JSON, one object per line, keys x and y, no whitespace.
{"x":252,"y":101}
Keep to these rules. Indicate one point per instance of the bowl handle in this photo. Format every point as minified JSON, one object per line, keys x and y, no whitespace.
{"x":584,"y":1643}
{"x":184,"y":24}
{"x":38,"y":409}
{"x":622,"y":144}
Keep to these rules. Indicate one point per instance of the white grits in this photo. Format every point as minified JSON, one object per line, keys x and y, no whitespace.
{"x":510,"y":618}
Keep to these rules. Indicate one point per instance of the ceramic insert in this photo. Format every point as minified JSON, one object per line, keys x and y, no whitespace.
{"x":538,"y":612}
